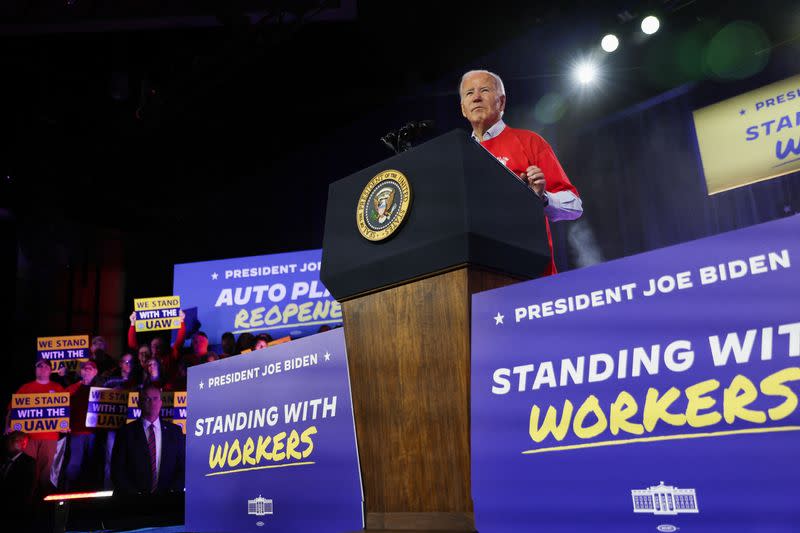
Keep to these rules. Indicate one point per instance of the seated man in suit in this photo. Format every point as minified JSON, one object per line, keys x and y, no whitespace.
{"x":17,"y":474}
{"x":149,"y":455}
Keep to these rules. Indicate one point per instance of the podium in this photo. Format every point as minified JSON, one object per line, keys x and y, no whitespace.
{"x":471,"y":225}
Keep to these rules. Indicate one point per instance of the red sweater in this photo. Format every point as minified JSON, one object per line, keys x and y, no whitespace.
{"x":78,"y":406}
{"x":518,"y":149}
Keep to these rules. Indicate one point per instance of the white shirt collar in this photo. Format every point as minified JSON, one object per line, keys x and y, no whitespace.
{"x":492,"y":132}
{"x":155,"y":423}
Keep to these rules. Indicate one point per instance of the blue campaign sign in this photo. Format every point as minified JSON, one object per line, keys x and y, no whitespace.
{"x":653,"y":393}
{"x":271,"y":441}
{"x":279,"y":294}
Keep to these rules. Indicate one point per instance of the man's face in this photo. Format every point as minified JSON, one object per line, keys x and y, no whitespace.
{"x":261,"y":344}
{"x":88,"y":372}
{"x":199,"y":344}
{"x":480,"y":101}
{"x":150,"y":403}
{"x":157,"y":347}
{"x":43,"y":372}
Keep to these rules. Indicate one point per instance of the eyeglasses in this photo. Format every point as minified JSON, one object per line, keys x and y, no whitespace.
{"x":126,"y":362}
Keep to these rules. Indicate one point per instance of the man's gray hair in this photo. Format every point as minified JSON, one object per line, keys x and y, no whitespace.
{"x":497,"y":81}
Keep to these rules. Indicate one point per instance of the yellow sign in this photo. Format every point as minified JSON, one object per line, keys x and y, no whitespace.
{"x":383,"y":205}
{"x":159,"y":313}
{"x":751,"y":137}
{"x":67,"y":351}
{"x":179,"y":413}
{"x":40,"y":413}
{"x":69,"y":342}
{"x":107,"y":408}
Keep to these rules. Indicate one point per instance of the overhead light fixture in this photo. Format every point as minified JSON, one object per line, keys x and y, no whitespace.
{"x":585,"y":73}
{"x":609,"y":43}
{"x":650,"y":25}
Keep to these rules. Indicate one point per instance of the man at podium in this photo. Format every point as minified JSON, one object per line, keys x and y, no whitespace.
{"x":526,"y":154}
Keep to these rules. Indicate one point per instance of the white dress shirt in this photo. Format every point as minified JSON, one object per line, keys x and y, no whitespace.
{"x":157,"y":430}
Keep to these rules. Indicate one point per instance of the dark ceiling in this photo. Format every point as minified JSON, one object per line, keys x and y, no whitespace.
{"x":141,"y":115}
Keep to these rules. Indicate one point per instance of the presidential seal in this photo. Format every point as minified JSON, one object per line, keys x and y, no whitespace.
{"x":383,"y":205}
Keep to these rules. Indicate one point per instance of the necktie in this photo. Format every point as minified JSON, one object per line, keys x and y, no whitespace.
{"x":151,"y":443}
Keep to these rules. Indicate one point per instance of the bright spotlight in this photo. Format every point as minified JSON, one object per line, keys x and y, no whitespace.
{"x":609,"y":43}
{"x":650,"y":25}
{"x":585,"y":73}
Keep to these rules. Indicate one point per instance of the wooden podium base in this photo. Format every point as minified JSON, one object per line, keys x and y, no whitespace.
{"x":408,"y":349}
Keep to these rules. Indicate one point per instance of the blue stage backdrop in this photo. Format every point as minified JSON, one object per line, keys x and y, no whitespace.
{"x":279,"y":294}
{"x":652,"y":393}
{"x":271,"y":441}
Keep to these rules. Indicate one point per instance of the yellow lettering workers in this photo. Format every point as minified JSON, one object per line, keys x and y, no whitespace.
{"x":627,"y":417}
{"x":383,"y":205}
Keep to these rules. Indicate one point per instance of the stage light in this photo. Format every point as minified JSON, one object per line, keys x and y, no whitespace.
{"x":650,"y":25}
{"x":609,"y":43}
{"x":585,"y":73}
{"x":79,"y":496}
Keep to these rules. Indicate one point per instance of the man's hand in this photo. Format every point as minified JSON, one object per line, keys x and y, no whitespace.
{"x":534,"y":176}
{"x":182,"y":315}
{"x":133,"y":318}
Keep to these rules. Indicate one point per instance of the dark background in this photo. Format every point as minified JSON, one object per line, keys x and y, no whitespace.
{"x":139,"y":134}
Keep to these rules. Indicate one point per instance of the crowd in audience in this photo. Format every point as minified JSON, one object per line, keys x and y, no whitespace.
{"x":87,"y":458}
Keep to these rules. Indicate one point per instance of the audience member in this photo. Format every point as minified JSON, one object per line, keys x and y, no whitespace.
{"x":262,"y":341}
{"x":149,"y":455}
{"x":153,"y":375}
{"x":178,"y":381}
{"x":168,"y":358}
{"x":17,"y":475}
{"x":97,"y":353}
{"x":228,"y":345}
{"x":142,"y":355}
{"x":245,"y":343}
{"x":199,"y":349}
{"x":125,"y":376}
{"x":84,"y":455}
{"x":41,"y":446}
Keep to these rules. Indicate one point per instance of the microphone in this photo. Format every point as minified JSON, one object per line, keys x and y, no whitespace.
{"x":401,"y":140}
{"x":389,"y":140}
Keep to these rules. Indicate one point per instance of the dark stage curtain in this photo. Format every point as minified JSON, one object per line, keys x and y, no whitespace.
{"x":640,"y":177}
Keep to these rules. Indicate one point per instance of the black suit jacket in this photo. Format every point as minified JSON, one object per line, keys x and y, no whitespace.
{"x":17,"y":484}
{"x":130,"y":459}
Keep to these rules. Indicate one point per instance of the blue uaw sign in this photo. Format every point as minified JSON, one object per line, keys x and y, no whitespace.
{"x":279,"y":294}
{"x":653,"y":393}
{"x":271,"y":441}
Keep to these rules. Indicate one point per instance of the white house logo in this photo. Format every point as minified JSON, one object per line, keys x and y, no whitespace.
{"x":259,"y":506}
{"x":667,"y":528}
{"x":664,"y":500}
